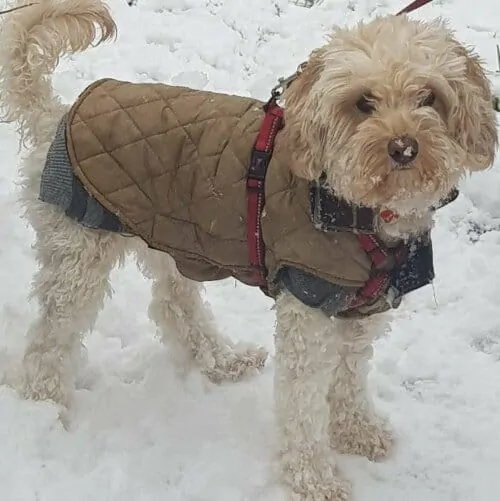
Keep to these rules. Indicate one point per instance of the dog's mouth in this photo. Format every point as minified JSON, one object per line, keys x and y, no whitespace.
{"x":400,"y":166}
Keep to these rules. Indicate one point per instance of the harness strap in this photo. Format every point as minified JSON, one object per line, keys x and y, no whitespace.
{"x":375,"y":286}
{"x":383,"y":261}
{"x":261,"y":156}
{"x":378,"y":253}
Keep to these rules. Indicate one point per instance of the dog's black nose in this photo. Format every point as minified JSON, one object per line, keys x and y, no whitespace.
{"x":403,"y":150}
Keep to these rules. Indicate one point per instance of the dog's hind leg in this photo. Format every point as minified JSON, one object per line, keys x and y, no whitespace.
{"x":70,"y":286}
{"x":186,"y":323}
{"x":355,"y":428}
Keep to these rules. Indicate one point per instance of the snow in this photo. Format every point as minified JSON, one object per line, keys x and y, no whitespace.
{"x":142,"y":431}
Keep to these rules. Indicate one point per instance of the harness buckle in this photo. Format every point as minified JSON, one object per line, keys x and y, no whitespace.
{"x":258,"y":165}
{"x":393,"y":297}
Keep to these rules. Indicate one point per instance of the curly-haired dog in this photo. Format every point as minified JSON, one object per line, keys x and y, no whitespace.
{"x":376,"y":136}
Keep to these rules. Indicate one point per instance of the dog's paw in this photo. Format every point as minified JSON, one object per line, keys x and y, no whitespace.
{"x":43,"y":379}
{"x":359,"y":435}
{"x":315,"y":479}
{"x":234,"y":365}
{"x":335,"y":492}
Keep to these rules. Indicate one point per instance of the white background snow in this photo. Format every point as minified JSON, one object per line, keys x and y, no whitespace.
{"x":141,"y":432}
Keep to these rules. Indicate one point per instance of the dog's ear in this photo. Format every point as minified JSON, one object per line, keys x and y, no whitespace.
{"x":473,"y":120}
{"x":303,"y":129}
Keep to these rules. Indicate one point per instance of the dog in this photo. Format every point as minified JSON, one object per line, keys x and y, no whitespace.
{"x":380,"y":124}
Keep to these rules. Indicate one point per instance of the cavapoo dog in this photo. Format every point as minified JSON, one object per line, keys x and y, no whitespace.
{"x":323,"y":197}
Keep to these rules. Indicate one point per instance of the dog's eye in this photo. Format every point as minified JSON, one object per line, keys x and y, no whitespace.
{"x":428,"y":99}
{"x":365,"y":105}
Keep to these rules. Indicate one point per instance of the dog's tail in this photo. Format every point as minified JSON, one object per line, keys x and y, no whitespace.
{"x":33,"y":36}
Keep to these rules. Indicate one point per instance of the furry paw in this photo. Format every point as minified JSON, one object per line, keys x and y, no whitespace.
{"x":357,"y":434}
{"x":314,"y":480}
{"x":234,"y":365}
{"x":334,"y":492}
{"x":43,"y":379}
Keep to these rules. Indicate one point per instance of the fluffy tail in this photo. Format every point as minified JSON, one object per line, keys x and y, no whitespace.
{"x":32,"y":39}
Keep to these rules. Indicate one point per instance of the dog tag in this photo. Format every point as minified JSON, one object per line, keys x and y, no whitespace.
{"x":388,"y":216}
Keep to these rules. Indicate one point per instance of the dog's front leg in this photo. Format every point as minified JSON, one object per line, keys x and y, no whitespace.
{"x":305,"y":359}
{"x":354,"y":426}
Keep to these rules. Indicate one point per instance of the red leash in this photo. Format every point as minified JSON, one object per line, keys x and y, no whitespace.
{"x":416,"y":4}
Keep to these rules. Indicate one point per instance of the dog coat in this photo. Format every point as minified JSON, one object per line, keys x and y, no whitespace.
{"x":169,"y":164}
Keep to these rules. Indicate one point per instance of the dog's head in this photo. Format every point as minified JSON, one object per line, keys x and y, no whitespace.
{"x":393,"y":112}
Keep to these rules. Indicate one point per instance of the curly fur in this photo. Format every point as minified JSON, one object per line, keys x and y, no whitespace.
{"x":457,"y":134}
{"x":322,"y":403}
{"x":75,"y":262}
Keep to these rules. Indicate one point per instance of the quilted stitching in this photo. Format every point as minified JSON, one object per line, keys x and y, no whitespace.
{"x":173,"y":171}
{"x":171,"y":163}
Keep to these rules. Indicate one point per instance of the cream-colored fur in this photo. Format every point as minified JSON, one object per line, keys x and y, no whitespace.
{"x":456,"y":135}
{"x":322,"y":404}
{"x":75,"y":262}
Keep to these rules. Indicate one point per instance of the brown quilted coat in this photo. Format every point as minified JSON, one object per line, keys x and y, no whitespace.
{"x":171,"y":163}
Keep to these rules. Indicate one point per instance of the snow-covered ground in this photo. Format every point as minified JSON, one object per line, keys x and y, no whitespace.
{"x":139,"y":432}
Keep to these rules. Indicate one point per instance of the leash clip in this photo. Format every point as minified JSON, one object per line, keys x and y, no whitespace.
{"x":284,"y":82}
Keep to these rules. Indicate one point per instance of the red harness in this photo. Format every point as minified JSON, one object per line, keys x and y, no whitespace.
{"x":256,"y":178}
{"x":382,"y":258}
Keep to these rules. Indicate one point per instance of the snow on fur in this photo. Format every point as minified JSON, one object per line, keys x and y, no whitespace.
{"x":142,"y":431}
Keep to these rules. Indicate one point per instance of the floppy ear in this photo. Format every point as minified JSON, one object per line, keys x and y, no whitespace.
{"x":473,"y":121}
{"x":302,"y":129}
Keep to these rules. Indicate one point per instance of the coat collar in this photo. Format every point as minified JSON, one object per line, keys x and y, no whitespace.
{"x":332,"y":213}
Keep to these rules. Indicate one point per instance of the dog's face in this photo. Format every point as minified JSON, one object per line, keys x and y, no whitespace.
{"x":393,"y":112}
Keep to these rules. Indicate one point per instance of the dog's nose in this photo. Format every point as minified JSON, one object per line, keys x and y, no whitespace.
{"x":403,"y":150}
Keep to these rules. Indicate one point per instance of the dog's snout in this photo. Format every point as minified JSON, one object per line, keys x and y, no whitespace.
{"x":403,"y":150}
